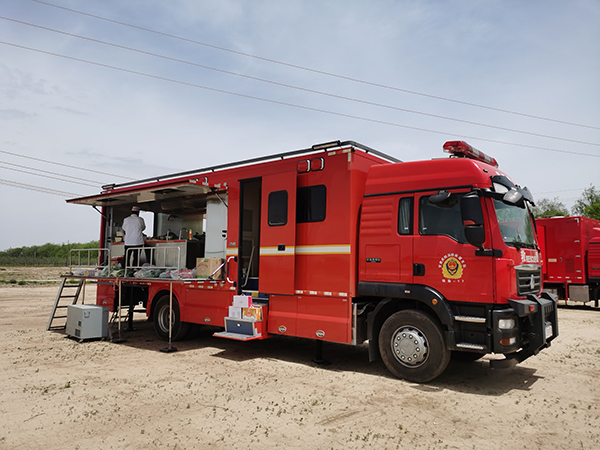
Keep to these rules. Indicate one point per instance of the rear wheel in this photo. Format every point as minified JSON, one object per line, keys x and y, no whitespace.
{"x":162,"y":314}
{"x":412,"y":346}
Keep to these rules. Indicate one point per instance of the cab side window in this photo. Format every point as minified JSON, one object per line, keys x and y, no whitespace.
{"x":441,"y":219}
{"x":405,"y":216}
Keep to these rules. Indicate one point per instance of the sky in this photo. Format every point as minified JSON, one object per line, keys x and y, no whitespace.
{"x":106,"y":91}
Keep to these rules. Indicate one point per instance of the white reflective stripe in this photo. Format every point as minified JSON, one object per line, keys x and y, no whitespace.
{"x":308,"y":250}
{"x":320,"y":293}
{"x":274,"y":251}
{"x":323,"y":249}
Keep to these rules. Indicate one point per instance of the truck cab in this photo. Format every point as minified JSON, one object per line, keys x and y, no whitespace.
{"x":449,"y":264}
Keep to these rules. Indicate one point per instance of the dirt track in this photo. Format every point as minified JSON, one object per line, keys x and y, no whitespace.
{"x":214,"y":393}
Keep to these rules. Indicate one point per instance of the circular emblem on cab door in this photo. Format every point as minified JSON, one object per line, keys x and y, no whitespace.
{"x":282,"y":328}
{"x":452,"y":266}
{"x":320,"y":333}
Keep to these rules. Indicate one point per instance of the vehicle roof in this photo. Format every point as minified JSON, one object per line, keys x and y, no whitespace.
{"x":196,"y":181}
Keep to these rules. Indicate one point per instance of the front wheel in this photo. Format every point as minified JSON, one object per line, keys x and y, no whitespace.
{"x":412,"y":346}
{"x":162,"y":314}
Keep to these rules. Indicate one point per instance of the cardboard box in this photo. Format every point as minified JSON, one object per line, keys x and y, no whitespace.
{"x":243,"y":301}
{"x":206,"y":266}
{"x":253,"y":312}
{"x":235,"y":312}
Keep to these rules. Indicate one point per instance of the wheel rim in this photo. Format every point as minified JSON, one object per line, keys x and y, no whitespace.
{"x":410,"y":346}
{"x":163,"y":318}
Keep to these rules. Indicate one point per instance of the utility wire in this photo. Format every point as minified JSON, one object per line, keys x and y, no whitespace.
{"x":98,"y":183}
{"x":46,"y":176}
{"x":564,"y":190}
{"x":308,"y":108}
{"x":321,"y":72}
{"x":61,"y":164}
{"x":30,"y":187}
{"x":297,"y":87}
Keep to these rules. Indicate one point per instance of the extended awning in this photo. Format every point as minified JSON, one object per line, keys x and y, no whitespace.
{"x":151,"y":193}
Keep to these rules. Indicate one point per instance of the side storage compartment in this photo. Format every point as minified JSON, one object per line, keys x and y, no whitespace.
{"x":249,"y":323}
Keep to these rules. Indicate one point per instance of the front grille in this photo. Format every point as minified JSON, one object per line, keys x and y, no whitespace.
{"x":529,"y":279}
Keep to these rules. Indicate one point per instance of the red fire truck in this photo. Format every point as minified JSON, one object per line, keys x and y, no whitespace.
{"x":571,"y":252}
{"x":338,"y":243}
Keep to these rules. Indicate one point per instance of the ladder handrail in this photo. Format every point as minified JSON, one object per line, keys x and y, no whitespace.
{"x":59,"y":296}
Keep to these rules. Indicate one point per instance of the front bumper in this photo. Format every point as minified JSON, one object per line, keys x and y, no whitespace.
{"x":537,"y":326}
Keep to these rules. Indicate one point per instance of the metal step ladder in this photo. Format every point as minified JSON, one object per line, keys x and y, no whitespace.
{"x":65,"y":292}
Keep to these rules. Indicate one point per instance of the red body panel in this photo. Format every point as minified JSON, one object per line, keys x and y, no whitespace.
{"x":309,"y":269}
{"x":571,"y":250}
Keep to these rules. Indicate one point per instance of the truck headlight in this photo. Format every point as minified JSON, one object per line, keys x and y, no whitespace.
{"x":506,"y":324}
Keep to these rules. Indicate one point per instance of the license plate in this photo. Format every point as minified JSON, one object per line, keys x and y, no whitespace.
{"x":549,"y":331}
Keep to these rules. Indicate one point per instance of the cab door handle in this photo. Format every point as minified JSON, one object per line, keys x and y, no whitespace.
{"x":418,"y":270}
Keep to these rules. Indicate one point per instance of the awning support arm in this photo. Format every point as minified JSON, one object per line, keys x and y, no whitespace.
{"x":214,"y":191}
{"x":99,"y":212}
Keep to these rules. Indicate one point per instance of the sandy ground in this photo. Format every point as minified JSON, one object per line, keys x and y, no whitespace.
{"x":56,"y":393}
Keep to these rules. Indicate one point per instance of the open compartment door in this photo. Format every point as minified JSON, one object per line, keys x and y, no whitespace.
{"x":278,"y":234}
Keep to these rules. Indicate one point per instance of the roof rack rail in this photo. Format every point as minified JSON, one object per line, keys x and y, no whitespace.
{"x":314,"y":148}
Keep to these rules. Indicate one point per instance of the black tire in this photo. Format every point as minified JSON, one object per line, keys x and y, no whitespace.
{"x":461,"y":356}
{"x":412,"y":346}
{"x":161,"y":315}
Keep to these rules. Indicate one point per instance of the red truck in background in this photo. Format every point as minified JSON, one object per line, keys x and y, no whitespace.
{"x":338,"y":243}
{"x":571,"y":251}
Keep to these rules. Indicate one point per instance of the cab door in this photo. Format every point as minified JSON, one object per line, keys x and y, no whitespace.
{"x":278,"y":234}
{"x":449,"y":264}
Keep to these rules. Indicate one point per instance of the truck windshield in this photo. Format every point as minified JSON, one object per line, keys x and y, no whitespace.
{"x":515,"y":225}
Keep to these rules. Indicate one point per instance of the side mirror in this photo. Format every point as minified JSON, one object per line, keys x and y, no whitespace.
{"x":513,"y":197}
{"x":475,"y":235}
{"x":470,"y":209}
{"x":472,"y":216}
{"x":528,"y":195}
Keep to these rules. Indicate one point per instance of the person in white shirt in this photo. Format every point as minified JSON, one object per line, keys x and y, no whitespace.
{"x":133,"y":226}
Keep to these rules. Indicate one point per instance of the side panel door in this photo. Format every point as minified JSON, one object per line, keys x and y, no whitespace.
{"x":386,"y":240}
{"x":278,"y":234}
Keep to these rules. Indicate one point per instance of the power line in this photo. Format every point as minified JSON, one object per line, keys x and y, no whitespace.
{"x":341,"y":97}
{"x":564,"y":190}
{"x":277,"y":102}
{"x":44,"y":190}
{"x":321,"y":72}
{"x":42,"y":175}
{"x":52,"y":173}
{"x":61,"y":164}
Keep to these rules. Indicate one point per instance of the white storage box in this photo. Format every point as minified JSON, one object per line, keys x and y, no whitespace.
{"x":235,"y":312}
{"x":243,"y":301}
{"x":87,"y":321}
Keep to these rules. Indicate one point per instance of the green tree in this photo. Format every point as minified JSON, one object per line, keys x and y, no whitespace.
{"x":588,"y":204}
{"x":549,"y":208}
{"x":47,"y":254}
